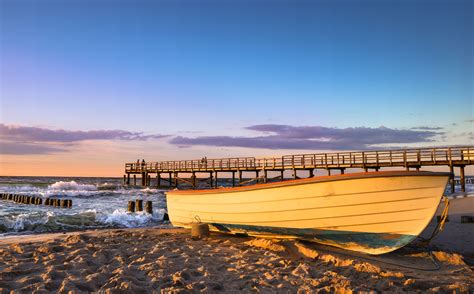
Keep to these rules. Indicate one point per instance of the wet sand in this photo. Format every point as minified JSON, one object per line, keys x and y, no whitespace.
{"x":152,"y":260}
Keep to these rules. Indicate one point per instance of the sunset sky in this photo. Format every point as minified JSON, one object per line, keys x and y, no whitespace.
{"x":88,"y":85}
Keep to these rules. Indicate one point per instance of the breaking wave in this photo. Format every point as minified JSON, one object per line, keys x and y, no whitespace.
{"x":120,"y":217}
{"x":40,"y":222}
{"x":71,"y":186}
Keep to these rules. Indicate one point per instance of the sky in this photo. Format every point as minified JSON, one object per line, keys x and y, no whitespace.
{"x":88,"y":85}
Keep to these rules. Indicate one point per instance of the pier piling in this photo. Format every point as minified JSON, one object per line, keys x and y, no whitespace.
{"x":463,"y":179}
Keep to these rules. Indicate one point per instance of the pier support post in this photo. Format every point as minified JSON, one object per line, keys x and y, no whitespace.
{"x":210,"y":180}
{"x":257,"y":175}
{"x":282,"y":174}
{"x":463,"y":179}
{"x":170,"y":179}
{"x":451,"y":178}
{"x":240,"y":177}
{"x":265,"y":176}
{"x":295,"y":176}
{"x":329,"y":171}
{"x":342,"y":171}
{"x":366,"y":169}
{"x":124,"y":180}
{"x":158,"y":179}
{"x":134,"y":180}
{"x":311,"y":173}
{"x":143,"y":179}
{"x":128,"y":179}
{"x":193,"y":179}
{"x":216,"y":180}
{"x":148,"y":179}
{"x":233,"y":179}
{"x":176,"y":179}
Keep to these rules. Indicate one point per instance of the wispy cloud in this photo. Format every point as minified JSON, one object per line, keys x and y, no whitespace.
{"x":50,"y":135}
{"x":35,"y":140}
{"x":314,"y":137}
{"x":427,"y":128}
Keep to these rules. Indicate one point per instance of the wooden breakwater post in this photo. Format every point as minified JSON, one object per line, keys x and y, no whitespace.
{"x":29,"y":200}
{"x":149,"y":207}
{"x":61,"y":203}
{"x":131,"y":206}
{"x":139,"y":205}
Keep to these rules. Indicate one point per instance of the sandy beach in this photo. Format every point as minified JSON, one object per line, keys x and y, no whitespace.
{"x":168,"y":260}
{"x":150,"y":260}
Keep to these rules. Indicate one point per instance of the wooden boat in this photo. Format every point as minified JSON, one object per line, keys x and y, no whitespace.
{"x":375,"y":212}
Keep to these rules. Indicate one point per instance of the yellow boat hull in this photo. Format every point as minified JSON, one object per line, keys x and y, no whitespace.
{"x":368,"y":212}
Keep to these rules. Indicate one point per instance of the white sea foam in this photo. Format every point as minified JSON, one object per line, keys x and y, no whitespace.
{"x":25,"y":221}
{"x":123,"y":218}
{"x":71,"y":186}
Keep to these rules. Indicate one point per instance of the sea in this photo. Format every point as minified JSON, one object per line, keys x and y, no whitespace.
{"x":97,"y":203}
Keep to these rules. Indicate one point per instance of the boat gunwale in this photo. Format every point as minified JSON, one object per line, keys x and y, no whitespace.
{"x":320,"y":179}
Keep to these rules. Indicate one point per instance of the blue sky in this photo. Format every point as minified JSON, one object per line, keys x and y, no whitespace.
{"x":217,"y":68}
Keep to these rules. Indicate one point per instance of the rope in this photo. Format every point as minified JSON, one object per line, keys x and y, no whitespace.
{"x":440,"y":226}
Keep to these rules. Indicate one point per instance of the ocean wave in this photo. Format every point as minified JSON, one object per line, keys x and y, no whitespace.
{"x":40,"y":222}
{"x":24,"y":221}
{"x":108,"y":186}
{"x":19,"y":189}
{"x":71,"y":186}
{"x":120,"y":217}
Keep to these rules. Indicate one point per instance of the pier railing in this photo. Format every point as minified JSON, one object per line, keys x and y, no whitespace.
{"x":361,"y":159}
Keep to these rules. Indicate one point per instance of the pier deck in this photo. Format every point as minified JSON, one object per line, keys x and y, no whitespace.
{"x":366,"y":160}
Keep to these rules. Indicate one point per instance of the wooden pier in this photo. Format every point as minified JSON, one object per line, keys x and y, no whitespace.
{"x":174,"y":173}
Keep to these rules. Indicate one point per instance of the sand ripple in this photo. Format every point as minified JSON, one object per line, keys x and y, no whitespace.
{"x":152,"y":260}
